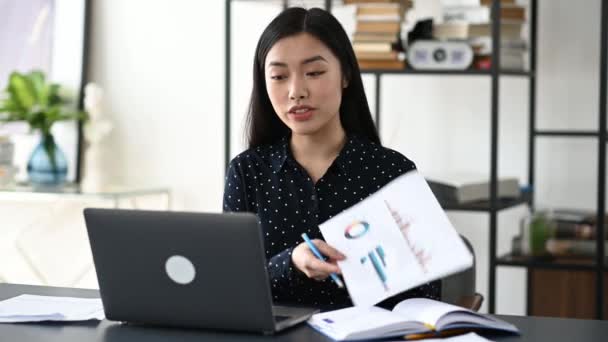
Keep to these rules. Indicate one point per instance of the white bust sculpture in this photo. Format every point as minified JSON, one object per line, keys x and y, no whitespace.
{"x":95,"y":129}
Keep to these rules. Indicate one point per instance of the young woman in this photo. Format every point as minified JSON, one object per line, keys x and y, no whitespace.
{"x":313,"y":152}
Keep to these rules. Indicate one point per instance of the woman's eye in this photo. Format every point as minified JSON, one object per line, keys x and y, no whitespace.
{"x":315,"y":73}
{"x":277,"y":77}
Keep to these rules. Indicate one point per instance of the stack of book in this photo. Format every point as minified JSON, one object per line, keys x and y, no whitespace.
{"x":470,"y":20}
{"x":7,"y":170}
{"x":573,"y":233}
{"x":458,"y":189}
{"x":377,"y":39}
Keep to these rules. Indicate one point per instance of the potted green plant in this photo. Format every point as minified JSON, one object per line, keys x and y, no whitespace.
{"x":30,"y":98}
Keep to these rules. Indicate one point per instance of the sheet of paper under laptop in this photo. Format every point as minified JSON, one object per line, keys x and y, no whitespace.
{"x":32,"y":308}
{"x":394,"y":240}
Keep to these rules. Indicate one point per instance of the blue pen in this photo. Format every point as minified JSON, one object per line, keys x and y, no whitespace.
{"x":316,"y":252}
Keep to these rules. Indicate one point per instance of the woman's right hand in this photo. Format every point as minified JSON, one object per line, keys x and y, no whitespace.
{"x":305,"y":261}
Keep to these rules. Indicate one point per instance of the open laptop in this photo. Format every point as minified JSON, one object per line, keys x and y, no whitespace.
{"x":185,"y":269}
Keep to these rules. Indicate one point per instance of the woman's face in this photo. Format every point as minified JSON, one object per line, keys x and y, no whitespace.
{"x":304,"y":82}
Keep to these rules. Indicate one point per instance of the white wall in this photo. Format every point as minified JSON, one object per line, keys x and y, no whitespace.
{"x":161,"y":63}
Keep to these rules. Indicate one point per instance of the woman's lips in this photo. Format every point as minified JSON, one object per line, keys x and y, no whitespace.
{"x":302,"y":115}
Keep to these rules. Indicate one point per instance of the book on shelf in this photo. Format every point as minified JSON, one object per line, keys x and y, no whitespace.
{"x":573,"y":247}
{"x":369,"y":64}
{"x":416,"y":317}
{"x":575,"y":224}
{"x":574,"y":230}
{"x":508,"y":61}
{"x":380,"y":6}
{"x":481,"y":14}
{"x":512,"y":12}
{"x":502,"y":2}
{"x":575,"y":215}
{"x":376,"y":37}
{"x":475,"y":2}
{"x":379,"y":17}
{"x":373,"y":47}
{"x":365,"y":2}
{"x":388,"y":55}
{"x":513,"y":60}
{"x":378,"y":26}
{"x":467,"y":188}
{"x":379,"y":9}
{"x":570,"y":223}
{"x":483,"y":45}
{"x":7,"y":150}
{"x":464,"y":31}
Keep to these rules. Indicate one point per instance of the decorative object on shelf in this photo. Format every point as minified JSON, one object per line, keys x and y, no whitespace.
{"x":536,"y":229}
{"x":30,"y":98}
{"x":47,"y":164}
{"x":95,"y":130}
{"x":437,"y":55}
{"x":422,"y":30}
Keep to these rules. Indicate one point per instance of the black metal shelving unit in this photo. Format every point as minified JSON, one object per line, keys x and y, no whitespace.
{"x":494,"y":205}
{"x":575,"y":264}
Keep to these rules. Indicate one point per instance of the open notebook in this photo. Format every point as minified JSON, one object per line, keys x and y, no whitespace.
{"x":409,"y":317}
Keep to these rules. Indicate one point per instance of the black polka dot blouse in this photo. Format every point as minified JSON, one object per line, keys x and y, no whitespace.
{"x":269,"y":182}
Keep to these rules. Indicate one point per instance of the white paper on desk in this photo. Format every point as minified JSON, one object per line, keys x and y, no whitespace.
{"x":394,"y":240}
{"x":470,"y":337}
{"x":32,"y":308}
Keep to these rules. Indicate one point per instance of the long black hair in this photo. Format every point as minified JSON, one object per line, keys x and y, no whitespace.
{"x":263,"y":124}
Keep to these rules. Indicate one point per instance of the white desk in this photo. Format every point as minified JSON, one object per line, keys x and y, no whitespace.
{"x":43,"y":239}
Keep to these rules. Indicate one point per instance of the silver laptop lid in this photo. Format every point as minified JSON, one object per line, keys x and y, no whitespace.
{"x":181,"y":269}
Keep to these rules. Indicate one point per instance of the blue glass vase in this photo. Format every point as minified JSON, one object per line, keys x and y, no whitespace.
{"x":47,"y":165}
